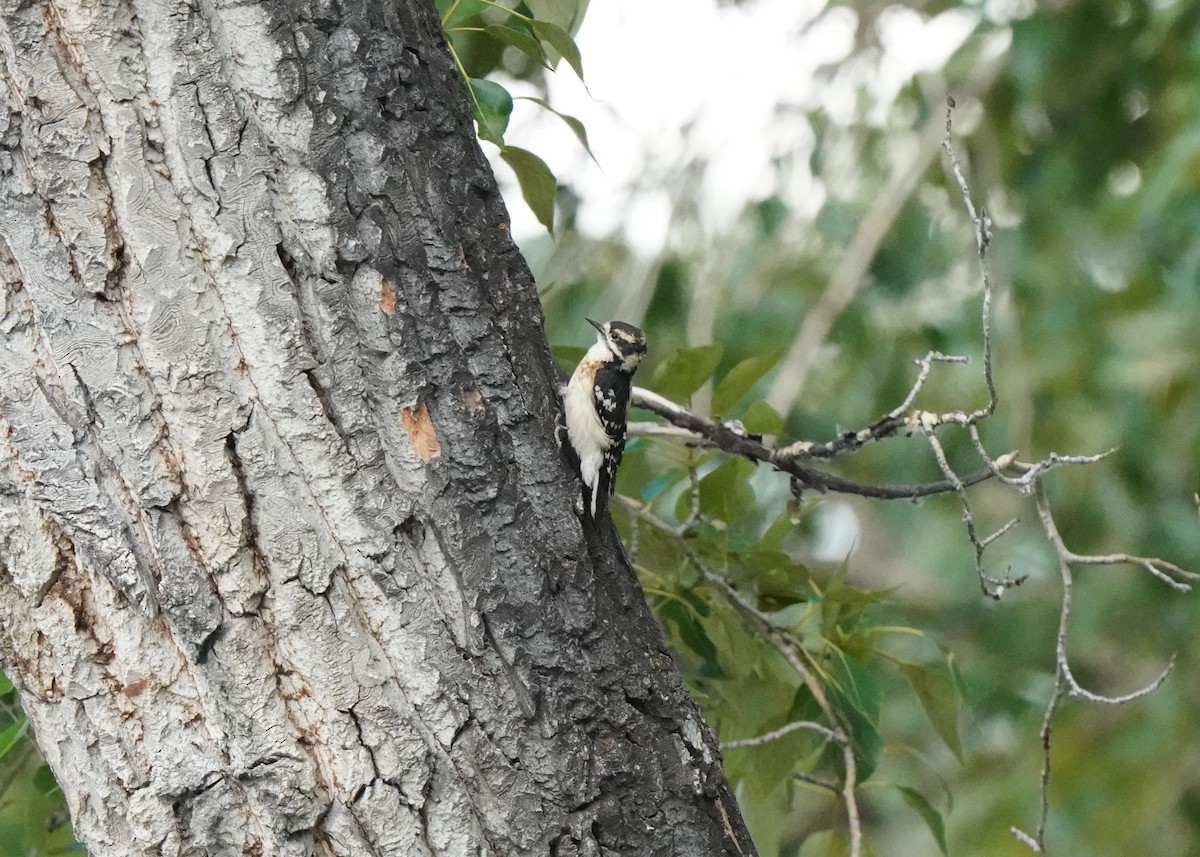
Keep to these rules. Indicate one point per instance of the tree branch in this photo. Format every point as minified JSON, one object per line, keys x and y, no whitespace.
{"x":706,"y":432}
{"x":783,"y":731}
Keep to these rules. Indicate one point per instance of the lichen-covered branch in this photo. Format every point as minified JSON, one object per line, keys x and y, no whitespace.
{"x":705,"y":432}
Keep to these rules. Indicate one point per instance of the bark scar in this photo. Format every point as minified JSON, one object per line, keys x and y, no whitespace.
{"x":421,"y":433}
{"x":387,"y":296}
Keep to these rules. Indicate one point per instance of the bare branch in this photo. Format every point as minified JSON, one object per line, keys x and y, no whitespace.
{"x":1159,"y":568}
{"x":819,"y":782}
{"x":666,"y":431}
{"x":1075,"y":690}
{"x":848,"y":786}
{"x":926,"y":364}
{"x":993,"y":587}
{"x":730,"y":440}
{"x":783,"y":731}
{"x":1037,"y":842}
{"x":987,"y":541}
{"x":889,"y":425}
{"x":1031,"y":472}
{"x":1025,"y":839}
{"x":983,"y":236}
{"x":1065,"y":683}
{"x":1026,"y":478}
{"x":1065,"y":559}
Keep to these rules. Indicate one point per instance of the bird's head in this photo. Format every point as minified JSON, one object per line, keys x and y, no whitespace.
{"x":626,"y":342}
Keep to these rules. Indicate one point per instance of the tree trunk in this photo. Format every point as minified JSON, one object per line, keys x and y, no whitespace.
{"x":288,"y":556}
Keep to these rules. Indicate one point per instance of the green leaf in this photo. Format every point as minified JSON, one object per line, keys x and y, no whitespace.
{"x":561,"y":42}
{"x":932,"y":818}
{"x":576,"y":126}
{"x":44,"y":781}
{"x":538,"y":184}
{"x":773,"y":574}
{"x":939,"y":696}
{"x":723,"y":493}
{"x":685,"y":371}
{"x":843,"y":593}
{"x":519,"y":39}
{"x":568,"y":356}
{"x":454,"y":12}
{"x":688,"y":629}
{"x":792,"y":617}
{"x":689,"y":576}
{"x":13,"y":734}
{"x":827,"y":843}
{"x":738,"y":381}
{"x":568,"y":14}
{"x":784,"y":524}
{"x":6,"y":684}
{"x":492,"y":106}
{"x":659,"y":484}
{"x":856,"y":695}
{"x":761,"y":418}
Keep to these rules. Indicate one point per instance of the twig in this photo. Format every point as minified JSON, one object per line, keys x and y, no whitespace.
{"x":1065,"y":683}
{"x":993,"y":587}
{"x":783,"y":731}
{"x":1159,"y":568}
{"x":889,"y":425}
{"x":1065,"y":559}
{"x":1037,"y":842}
{"x":820,"y":782}
{"x":665,"y":431}
{"x":694,"y":488}
{"x":849,"y":783}
{"x":983,"y":237}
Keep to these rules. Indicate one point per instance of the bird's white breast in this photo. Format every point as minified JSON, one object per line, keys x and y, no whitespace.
{"x":587,"y":435}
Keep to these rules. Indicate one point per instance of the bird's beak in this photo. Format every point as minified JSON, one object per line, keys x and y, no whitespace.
{"x":596,"y":325}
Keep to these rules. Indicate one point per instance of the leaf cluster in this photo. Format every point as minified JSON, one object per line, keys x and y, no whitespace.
{"x":478,"y":32}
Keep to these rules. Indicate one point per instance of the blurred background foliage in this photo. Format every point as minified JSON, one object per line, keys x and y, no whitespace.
{"x":1079,"y":126}
{"x":33,"y":816}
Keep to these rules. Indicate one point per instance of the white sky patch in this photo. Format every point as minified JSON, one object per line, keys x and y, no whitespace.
{"x":838,"y":531}
{"x":672,"y":82}
{"x":913,"y":44}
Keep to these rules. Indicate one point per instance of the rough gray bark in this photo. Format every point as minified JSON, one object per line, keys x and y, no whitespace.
{"x":288,"y":561}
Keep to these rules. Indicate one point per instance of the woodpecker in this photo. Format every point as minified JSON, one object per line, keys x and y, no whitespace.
{"x":596,"y":401}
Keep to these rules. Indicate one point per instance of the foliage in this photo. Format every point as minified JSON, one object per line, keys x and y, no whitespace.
{"x":1082,"y":150}
{"x":478,"y":31}
{"x":33,"y":817}
{"x":720,"y":546}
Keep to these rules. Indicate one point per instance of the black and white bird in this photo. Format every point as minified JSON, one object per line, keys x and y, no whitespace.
{"x":596,"y":401}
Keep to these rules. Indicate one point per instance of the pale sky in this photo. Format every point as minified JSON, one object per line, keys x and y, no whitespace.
{"x":654,"y":67}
